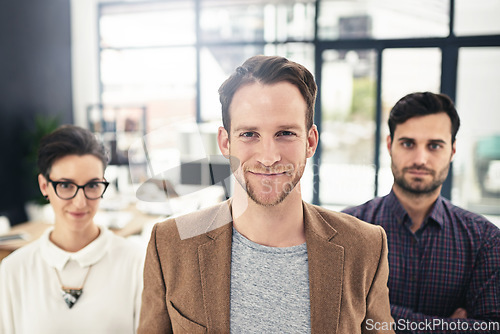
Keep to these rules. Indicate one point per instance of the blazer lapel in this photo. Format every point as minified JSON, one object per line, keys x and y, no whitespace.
{"x":326,"y":266}
{"x":215,"y":271}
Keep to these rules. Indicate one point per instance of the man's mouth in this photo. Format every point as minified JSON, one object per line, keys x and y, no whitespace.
{"x":418,"y":171}
{"x":270,"y":172}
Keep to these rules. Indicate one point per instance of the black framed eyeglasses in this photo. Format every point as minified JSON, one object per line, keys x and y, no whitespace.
{"x":68,"y":189}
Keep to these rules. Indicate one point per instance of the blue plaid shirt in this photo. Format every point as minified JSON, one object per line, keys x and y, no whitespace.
{"x":452,"y":261}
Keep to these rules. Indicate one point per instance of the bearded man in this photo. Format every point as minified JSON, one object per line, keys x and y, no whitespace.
{"x":265,"y":261}
{"x":444,"y":261}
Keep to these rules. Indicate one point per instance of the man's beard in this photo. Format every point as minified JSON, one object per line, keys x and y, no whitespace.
{"x":287,"y":187}
{"x":419,"y":188}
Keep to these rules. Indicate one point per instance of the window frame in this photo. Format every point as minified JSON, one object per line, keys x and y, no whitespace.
{"x":449,"y":46}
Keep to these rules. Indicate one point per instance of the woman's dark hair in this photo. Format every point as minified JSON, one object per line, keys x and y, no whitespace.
{"x":68,"y":140}
{"x":421,"y":104}
{"x":269,"y":70}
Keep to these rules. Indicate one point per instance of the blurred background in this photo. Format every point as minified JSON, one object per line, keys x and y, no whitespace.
{"x":144,"y":75}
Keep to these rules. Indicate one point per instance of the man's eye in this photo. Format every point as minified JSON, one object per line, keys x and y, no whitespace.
{"x":407,"y":144}
{"x":286,"y":133}
{"x":434,"y":146}
{"x":247,"y":134}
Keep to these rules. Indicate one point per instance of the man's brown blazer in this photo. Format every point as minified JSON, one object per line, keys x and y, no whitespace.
{"x":188,"y":267}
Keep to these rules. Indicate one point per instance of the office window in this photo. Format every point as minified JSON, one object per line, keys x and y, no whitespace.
{"x":303,"y":53}
{"x":477,"y":161}
{"x":147,"y":24}
{"x":348,"y":99}
{"x":479,"y":17}
{"x":164,"y":79}
{"x":343,"y":19}
{"x":250,"y":21}
{"x":143,"y":62}
{"x":172,"y":56}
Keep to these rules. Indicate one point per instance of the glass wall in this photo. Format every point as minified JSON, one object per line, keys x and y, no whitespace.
{"x":348,"y":100}
{"x":253,"y":21}
{"x":479,"y":17}
{"x":477,"y":161}
{"x":173,"y":55}
{"x":348,"y":19}
{"x":142,"y":64}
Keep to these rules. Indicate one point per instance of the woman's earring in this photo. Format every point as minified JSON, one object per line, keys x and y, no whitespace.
{"x":47,"y":198}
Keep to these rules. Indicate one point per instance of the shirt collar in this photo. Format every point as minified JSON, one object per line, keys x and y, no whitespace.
{"x":398,"y":210}
{"x":90,"y":254}
{"x":437,"y":213}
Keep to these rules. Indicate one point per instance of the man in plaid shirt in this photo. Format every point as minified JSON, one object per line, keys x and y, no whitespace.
{"x":444,"y":261}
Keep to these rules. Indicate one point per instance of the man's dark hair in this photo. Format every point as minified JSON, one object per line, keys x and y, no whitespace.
{"x":421,"y":104}
{"x":268,"y":70}
{"x":68,"y":140}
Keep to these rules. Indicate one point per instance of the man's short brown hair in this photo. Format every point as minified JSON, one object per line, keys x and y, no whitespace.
{"x":422,"y":104}
{"x":269,"y":70}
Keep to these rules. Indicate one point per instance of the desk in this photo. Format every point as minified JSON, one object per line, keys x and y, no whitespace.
{"x":33,"y":230}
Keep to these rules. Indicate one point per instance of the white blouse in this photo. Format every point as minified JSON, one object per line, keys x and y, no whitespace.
{"x":30,"y":294}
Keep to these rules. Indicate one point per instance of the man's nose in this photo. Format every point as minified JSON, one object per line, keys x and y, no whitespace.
{"x":268,"y":152}
{"x":420,"y":156}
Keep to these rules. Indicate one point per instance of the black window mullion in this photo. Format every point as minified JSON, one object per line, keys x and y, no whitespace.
{"x":378,"y":120}
{"x":449,"y":67}
{"x":318,"y":60}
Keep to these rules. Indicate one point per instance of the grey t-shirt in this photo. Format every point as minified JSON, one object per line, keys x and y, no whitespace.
{"x":269,"y":288}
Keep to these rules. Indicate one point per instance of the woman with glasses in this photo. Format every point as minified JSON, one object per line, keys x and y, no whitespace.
{"x":78,"y":277}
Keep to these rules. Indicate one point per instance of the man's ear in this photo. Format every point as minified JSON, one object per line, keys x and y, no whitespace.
{"x":453,"y":150}
{"x":389,"y":143}
{"x":312,"y":141}
{"x":223,"y":141}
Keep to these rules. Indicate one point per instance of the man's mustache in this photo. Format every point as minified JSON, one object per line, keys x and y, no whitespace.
{"x":418,"y":169}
